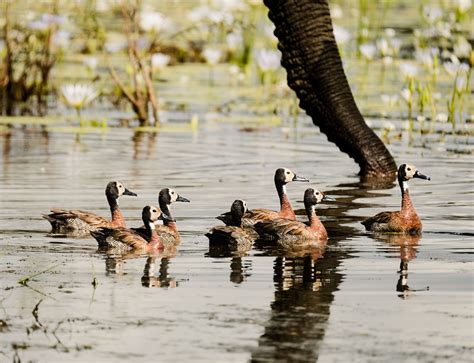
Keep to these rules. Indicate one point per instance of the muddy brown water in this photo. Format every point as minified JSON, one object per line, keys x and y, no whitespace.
{"x":350,"y":303}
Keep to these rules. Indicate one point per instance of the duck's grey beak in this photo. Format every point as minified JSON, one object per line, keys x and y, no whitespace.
{"x":165,"y":217}
{"x":421,"y":176}
{"x":299,"y":178}
{"x":327,"y":198}
{"x":182,"y":199}
{"x":128,"y":192}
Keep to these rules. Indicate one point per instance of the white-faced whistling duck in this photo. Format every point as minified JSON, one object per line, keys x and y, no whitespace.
{"x":72,"y":221}
{"x":406,"y":220}
{"x":283,"y":176}
{"x":233,"y":236}
{"x":294,"y":234}
{"x":123,"y":239}
{"x":167,"y":231}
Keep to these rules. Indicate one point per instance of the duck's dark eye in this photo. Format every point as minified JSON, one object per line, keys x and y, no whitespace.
{"x":317,"y":193}
{"x":172,"y":193}
{"x":288,"y":172}
{"x":409,"y":169}
{"x":154,"y":210}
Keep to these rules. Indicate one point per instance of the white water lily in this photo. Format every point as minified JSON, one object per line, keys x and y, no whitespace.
{"x":389,"y":32}
{"x":341,"y":34}
{"x":159,"y":61}
{"x":462,"y":48}
{"x":463,"y":5}
{"x":406,"y":94}
{"x":368,"y":51}
{"x":90,"y":63}
{"x":209,"y":15}
{"x":103,"y":6}
{"x":46,"y":21}
{"x":230,"y":5}
{"x":268,"y":60}
{"x":154,"y":21}
{"x":78,"y":95}
{"x":234,"y":70}
{"x":115,"y":45}
{"x":454,"y":67}
{"x":61,"y":39}
{"x":395,"y":45}
{"x":432,"y":14}
{"x":461,"y":81}
{"x":426,"y":56}
{"x":212,"y":55}
{"x":441,"y":117}
{"x":389,"y":100}
{"x":408,"y":70}
{"x":387,"y":60}
{"x":383,"y":46}
{"x":336,"y":11}
{"x":234,"y":40}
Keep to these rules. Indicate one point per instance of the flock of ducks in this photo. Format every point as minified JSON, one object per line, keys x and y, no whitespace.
{"x":242,"y":226}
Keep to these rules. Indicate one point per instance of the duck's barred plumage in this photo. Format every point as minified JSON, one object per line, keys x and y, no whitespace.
{"x":282,"y":177}
{"x":82,"y":222}
{"x":125,"y":240}
{"x":235,"y":237}
{"x":168,"y":231}
{"x":288,"y":234}
{"x":406,"y":220}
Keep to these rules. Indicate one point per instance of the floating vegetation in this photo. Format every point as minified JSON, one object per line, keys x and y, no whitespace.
{"x":164,"y":59}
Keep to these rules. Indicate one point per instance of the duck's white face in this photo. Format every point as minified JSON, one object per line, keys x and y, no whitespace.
{"x":289,"y":175}
{"x":410,"y":171}
{"x":318,"y":195}
{"x":120,"y":188}
{"x":173,"y":195}
{"x":154,"y":213}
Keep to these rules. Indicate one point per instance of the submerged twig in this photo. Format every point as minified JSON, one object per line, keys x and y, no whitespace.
{"x":24,"y":281}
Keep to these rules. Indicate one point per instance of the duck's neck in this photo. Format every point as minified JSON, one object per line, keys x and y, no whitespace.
{"x":165,"y":209}
{"x":315,"y":223}
{"x":407,"y":204}
{"x":118,"y":219}
{"x":285,"y":206}
{"x":154,"y":241}
{"x":236,"y":220}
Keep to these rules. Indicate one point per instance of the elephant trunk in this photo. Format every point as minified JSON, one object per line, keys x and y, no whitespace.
{"x":312,"y":61}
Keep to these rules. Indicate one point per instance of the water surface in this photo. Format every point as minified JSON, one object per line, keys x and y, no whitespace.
{"x":350,"y":302}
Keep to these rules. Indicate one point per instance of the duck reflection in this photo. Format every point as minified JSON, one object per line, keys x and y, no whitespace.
{"x":304,"y":291}
{"x":115,"y":260}
{"x":163,"y":280}
{"x":408,"y":249}
{"x":239,"y":268}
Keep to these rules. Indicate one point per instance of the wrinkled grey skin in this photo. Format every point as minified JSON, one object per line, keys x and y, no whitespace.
{"x":312,"y":61}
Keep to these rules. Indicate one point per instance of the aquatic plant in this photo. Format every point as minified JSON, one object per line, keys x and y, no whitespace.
{"x":30,"y":52}
{"x":78,"y":96}
{"x":368,"y":51}
{"x":460,"y":73}
{"x":159,"y":61}
{"x":140,"y":93}
{"x":268,"y":61}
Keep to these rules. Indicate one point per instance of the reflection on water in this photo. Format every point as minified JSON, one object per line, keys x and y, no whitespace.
{"x":408,"y":248}
{"x":302,"y":307}
{"x":304,"y":291}
{"x":144,"y":145}
{"x":163,"y":280}
{"x":239,"y":270}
